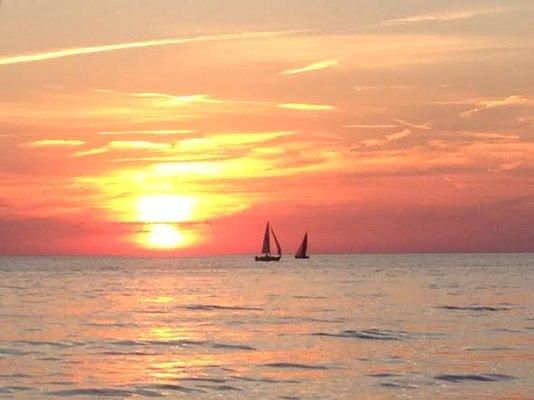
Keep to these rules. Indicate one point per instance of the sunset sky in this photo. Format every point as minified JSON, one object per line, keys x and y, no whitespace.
{"x":159,"y":127}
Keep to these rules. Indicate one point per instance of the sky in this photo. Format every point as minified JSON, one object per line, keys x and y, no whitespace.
{"x":159,"y":127}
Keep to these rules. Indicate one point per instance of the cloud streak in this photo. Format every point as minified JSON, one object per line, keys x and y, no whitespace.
{"x":156,"y":132}
{"x":444,"y":16}
{"x":190,"y":145}
{"x":165,"y":97}
{"x":77,"y":51}
{"x":306,"y":107}
{"x":54,"y":143}
{"x":422,"y":126}
{"x":125,"y":145}
{"x":399,"y":135}
{"x":370,"y":126}
{"x":490,"y":104}
{"x":312,"y":67}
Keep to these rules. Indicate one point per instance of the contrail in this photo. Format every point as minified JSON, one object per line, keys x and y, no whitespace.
{"x":76,"y":51}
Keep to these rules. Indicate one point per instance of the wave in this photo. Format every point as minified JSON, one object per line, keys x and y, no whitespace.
{"x":398,"y":385}
{"x":231,"y":346}
{"x":368,"y":334}
{"x":15,"y":352}
{"x":296,"y":366}
{"x":112,"y":325}
{"x":106,"y":392}
{"x":128,"y":353}
{"x":13,"y":389}
{"x":210,"y":380}
{"x":171,"y":387}
{"x":262,"y":379}
{"x":182,"y":343}
{"x":17,"y":375}
{"x":474,"y":308}
{"x":213,"y":307}
{"x":474,"y":378}
{"x":221,"y":388}
{"x":51,"y":344}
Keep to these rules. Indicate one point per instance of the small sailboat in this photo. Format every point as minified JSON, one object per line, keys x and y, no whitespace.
{"x":266,"y":248}
{"x":303,"y":249}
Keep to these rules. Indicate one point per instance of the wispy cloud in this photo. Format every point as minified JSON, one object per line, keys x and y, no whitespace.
{"x":306,"y":107}
{"x":91,"y":152}
{"x":444,"y":16}
{"x":138,"y":145}
{"x":381,"y":87}
{"x":398,"y":135}
{"x":165,"y":97}
{"x":370,"y":126}
{"x":54,"y":143}
{"x":190,"y":145}
{"x":156,"y":132}
{"x":231,"y":140}
{"x":426,"y":126}
{"x":125,"y":145}
{"x":493,"y":135}
{"x":489,"y":104}
{"x":312,"y":67}
{"x":76,"y":51}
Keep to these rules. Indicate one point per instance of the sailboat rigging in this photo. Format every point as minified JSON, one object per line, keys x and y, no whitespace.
{"x":303,"y":249}
{"x":266,"y":247}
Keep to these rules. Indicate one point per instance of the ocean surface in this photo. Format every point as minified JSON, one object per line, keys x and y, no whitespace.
{"x":332,"y":327}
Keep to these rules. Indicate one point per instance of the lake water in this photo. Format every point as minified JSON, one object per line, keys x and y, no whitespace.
{"x":332,"y":327}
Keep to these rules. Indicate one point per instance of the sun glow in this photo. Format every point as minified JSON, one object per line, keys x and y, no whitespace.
{"x":161,"y":213}
{"x":163,"y":236}
{"x":165,"y":208}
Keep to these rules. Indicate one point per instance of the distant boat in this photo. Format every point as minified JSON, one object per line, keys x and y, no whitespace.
{"x":303,"y":249}
{"x":266,"y":248}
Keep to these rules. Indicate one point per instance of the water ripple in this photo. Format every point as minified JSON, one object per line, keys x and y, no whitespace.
{"x":295,"y":365}
{"x":368,"y":334}
{"x":474,"y":308}
{"x":105,"y":392}
{"x":474,"y":378}
{"x":213,"y":307}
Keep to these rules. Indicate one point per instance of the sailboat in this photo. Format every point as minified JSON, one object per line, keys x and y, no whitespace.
{"x":303,"y":249}
{"x":266,"y":248}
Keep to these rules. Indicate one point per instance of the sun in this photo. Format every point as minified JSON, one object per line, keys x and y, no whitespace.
{"x":163,"y":236}
{"x":161,"y":214}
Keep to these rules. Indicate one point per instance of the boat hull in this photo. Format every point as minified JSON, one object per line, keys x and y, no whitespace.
{"x":267,"y":258}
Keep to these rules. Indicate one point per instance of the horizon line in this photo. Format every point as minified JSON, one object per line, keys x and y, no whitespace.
{"x":289,"y":255}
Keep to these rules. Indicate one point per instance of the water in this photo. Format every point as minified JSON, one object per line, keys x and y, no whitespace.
{"x":332,"y":327}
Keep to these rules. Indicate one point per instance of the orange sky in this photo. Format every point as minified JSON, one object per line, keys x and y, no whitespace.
{"x":159,"y":127}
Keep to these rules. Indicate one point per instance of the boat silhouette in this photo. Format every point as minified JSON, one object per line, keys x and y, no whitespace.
{"x":303,"y":249}
{"x":266,"y":247}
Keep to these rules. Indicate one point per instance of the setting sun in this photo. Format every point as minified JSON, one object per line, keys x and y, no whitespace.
{"x":163,"y":236}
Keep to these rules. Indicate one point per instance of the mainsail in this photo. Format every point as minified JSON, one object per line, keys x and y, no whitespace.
{"x":278,"y":248}
{"x":303,"y":249}
{"x":266,"y":248}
